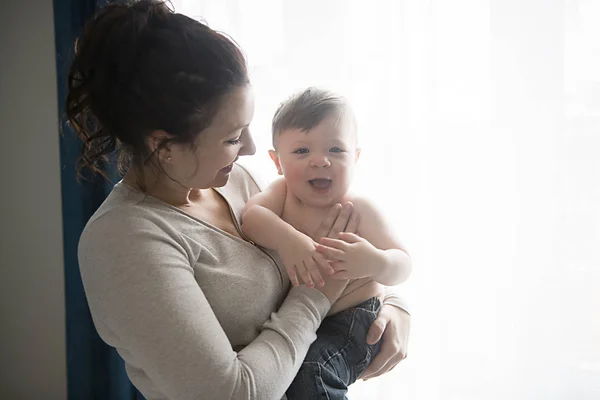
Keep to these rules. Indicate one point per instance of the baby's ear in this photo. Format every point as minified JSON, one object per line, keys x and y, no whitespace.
{"x":275,"y":157}
{"x":357,"y":155}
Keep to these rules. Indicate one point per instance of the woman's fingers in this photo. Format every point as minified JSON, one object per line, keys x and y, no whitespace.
{"x":387,"y":351}
{"x":328,"y":222}
{"x":337,"y":221}
{"x":390,"y":365}
{"x":342,"y":220}
{"x":380,"y":360}
{"x":391,"y":327}
{"x":376,"y":330}
{"x":352,"y":226}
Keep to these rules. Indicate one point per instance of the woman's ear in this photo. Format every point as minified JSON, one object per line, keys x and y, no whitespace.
{"x":275,"y":158}
{"x":154,"y":143}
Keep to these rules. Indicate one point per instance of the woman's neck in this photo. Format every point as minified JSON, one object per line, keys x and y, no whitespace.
{"x":165,"y":189}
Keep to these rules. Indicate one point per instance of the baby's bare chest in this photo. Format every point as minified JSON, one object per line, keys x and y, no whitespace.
{"x":303,"y":220}
{"x":306,"y":220}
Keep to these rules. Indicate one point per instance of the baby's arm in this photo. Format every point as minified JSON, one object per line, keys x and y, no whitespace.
{"x":261,"y":216}
{"x":374,"y":251}
{"x":262,"y":223}
{"x":373,"y":227}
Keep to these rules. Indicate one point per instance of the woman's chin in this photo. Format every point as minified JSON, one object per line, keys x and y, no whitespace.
{"x":222,"y":176}
{"x":221,"y":181}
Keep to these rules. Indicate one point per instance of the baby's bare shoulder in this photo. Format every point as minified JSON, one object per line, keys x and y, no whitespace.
{"x":361,"y":203}
{"x":369,"y":215}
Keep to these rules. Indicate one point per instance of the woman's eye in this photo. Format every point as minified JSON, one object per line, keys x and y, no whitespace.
{"x":234,"y":141}
{"x":336,"y":150}
{"x":301,"y":151}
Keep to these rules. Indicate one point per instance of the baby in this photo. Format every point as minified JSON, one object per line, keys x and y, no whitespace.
{"x":315,"y":149}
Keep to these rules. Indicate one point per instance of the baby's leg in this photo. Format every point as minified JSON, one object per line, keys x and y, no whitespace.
{"x":338,"y":356}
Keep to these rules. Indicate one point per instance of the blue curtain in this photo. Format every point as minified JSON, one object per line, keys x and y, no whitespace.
{"x":94,"y":370}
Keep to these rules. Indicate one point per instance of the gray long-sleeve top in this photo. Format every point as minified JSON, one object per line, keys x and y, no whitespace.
{"x":195,"y":312}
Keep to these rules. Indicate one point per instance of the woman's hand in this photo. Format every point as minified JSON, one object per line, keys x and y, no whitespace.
{"x":392,"y":326}
{"x":341,"y":218}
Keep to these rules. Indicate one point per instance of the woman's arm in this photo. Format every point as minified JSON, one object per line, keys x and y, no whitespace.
{"x":142,"y":291}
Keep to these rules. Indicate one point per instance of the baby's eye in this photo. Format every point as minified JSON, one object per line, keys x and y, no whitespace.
{"x":302,"y":150}
{"x":336,"y":150}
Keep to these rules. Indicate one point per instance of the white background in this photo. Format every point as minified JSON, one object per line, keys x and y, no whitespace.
{"x":479,"y":125}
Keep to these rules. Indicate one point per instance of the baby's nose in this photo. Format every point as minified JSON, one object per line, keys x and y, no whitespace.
{"x":320,"y":161}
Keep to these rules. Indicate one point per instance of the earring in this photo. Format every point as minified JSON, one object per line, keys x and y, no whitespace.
{"x":168,"y":158}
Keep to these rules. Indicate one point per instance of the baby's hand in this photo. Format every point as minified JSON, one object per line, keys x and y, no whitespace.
{"x":300,"y":258}
{"x":351,"y":256}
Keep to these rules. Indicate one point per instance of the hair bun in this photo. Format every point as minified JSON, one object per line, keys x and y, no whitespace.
{"x":139,"y":67}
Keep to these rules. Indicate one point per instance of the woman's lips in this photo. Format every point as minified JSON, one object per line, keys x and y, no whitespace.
{"x":228,"y":168}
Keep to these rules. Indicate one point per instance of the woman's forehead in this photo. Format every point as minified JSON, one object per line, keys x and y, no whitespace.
{"x":237,"y":109}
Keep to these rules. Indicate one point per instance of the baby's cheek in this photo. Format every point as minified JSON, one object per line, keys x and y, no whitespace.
{"x":294,"y":174}
{"x":345,"y":181}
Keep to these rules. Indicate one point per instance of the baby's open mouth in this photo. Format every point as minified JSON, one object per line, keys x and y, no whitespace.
{"x":320,"y":183}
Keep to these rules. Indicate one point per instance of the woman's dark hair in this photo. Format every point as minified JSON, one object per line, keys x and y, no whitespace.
{"x":140,"y":67}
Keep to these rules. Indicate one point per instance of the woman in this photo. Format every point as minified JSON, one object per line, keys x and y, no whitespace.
{"x":171,"y":282}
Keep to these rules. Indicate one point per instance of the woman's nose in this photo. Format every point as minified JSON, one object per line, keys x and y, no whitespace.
{"x":248,"y":146}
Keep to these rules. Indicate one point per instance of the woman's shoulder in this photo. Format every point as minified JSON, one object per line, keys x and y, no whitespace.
{"x":125,"y":212}
{"x":130,"y":234}
{"x":123,"y":201}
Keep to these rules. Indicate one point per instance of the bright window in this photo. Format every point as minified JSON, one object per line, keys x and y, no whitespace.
{"x":480,"y":125}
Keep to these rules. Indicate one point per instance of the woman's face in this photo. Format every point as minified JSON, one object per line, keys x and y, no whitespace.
{"x":217,"y":147}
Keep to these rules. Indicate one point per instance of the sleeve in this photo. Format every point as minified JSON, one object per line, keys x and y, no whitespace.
{"x":393,"y":298}
{"x":141,"y":288}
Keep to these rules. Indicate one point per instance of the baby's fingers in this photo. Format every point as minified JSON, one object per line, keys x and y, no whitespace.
{"x":293,"y":276}
{"x":305,"y":275}
{"x":322,"y":263}
{"x":315,"y":275}
{"x":330,"y":253}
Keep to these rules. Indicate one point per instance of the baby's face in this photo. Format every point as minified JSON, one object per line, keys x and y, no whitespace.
{"x":318,"y":165}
